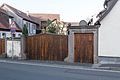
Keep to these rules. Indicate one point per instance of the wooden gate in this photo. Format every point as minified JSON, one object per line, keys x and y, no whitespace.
{"x":83,"y":47}
{"x":2,"y":46}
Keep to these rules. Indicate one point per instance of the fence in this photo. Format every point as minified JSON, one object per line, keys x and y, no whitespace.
{"x":2,"y":46}
{"x":47,"y":47}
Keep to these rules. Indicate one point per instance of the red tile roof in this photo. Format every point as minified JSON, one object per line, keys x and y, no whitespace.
{"x":3,"y":11}
{"x":2,"y":26}
{"x":44,"y":17}
{"x":23,"y":15}
{"x":17,"y":27}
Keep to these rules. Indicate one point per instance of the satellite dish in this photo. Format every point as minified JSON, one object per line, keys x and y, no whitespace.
{"x":83,"y":23}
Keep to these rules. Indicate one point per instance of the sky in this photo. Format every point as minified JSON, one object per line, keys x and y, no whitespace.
{"x":69,"y":10}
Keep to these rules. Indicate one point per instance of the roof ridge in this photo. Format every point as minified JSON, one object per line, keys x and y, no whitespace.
{"x":107,"y":10}
{"x":22,"y":14}
{"x":46,"y":13}
{"x":13,"y":8}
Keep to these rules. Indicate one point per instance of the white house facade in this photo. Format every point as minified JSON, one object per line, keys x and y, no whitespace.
{"x":109,"y":39}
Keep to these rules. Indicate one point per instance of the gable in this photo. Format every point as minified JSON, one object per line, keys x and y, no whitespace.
{"x":21,"y":14}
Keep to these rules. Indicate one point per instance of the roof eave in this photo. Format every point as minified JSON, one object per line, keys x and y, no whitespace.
{"x":107,"y":11}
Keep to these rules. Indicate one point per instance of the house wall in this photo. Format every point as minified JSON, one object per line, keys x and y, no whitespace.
{"x":31,"y":27}
{"x":8,"y":34}
{"x":109,"y":39}
{"x":16,"y":18}
{"x":13,"y":50}
{"x":21,"y":22}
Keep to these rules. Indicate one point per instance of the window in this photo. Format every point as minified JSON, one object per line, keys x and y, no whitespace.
{"x":13,"y":35}
{"x":33,"y":28}
{"x":19,"y":35}
{"x":4,"y":35}
{"x":28,"y":25}
{"x":10,"y":20}
{"x":43,"y":24}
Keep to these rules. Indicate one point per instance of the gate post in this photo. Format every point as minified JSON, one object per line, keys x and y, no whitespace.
{"x":71,"y":47}
{"x":5,"y":47}
{"x":23,"y":47}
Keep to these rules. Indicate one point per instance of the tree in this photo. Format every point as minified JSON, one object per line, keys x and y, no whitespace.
{"x":25,"y":34}
{"x":55,"y":26}
{"x":25,"y":30}
{"x":51,"y":28}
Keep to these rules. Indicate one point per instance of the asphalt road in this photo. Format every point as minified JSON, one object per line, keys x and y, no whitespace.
{"x":11,"y":71}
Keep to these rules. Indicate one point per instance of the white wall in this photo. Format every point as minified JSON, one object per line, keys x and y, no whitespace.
{"x":109,"y":35}
{"x":31,"y":27}
{"x":8,"y":34}
{"x":15,"y":52}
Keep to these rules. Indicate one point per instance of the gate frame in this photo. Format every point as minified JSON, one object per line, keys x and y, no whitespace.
{"x":3,"y":54}
{"x":82,"y":29}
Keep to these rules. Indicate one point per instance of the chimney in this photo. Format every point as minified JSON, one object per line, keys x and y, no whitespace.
{"x":27,"y":13}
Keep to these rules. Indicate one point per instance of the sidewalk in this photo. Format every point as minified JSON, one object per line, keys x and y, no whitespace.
{"x":109,"y":66}
{"x":100,"y":66}
{"x":47,"y":63}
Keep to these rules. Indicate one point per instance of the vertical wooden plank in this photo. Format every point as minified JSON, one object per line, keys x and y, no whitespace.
{"x":3,"y":46}
{"x":31,"y":49}
{"x":38,"y":55}
{"x":40,"y":48}
{"x":0,"y":46}
{"x":35,"y":44}
{"x":27,"y":48}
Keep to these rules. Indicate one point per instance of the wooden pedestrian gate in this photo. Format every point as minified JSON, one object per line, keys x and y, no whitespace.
{"x":2,"y":46}
{"x":83,"y":47}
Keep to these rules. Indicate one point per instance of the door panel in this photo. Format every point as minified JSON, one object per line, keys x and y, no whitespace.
{"x":83,"y":50}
